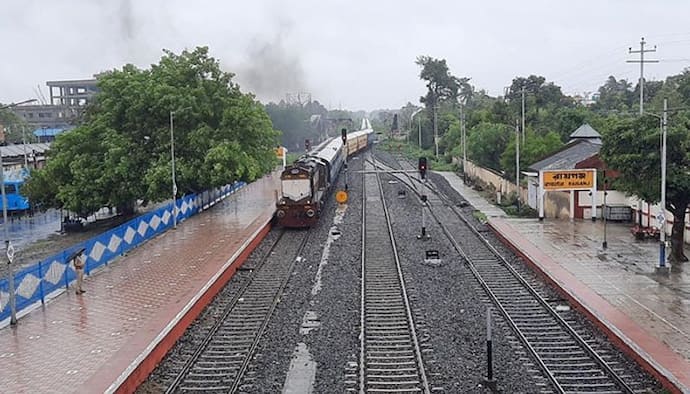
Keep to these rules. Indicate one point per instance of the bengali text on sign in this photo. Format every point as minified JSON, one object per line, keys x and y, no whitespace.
{"x":568,"y":179}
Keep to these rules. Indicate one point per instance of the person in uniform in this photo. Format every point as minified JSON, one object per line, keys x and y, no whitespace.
{"x":79,"y":264}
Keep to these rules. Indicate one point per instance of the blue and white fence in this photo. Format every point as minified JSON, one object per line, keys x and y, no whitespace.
{"x":53,"y":275}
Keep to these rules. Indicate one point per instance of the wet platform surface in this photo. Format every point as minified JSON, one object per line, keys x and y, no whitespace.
{"x":85,"y":343}
{"x":650,"y":311}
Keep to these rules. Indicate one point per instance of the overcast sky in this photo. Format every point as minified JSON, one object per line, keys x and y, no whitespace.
{"x":350,"y":54}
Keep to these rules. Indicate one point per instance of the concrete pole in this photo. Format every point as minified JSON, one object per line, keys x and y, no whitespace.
{"x":517,"y":164}
{"x":10,"y":273}
{"x":642,"y":61}
{"x":662,"y":234}
{"x":523,"y":114}
{"x":464,"y":146}
{"x":26,"y":159}
{"x":419,"y":124}
{"x":172,"y":157}
{"x":642,"y":76}
{"x":436,"y":131}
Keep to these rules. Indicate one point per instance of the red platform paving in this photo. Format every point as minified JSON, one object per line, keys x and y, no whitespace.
{"x":646,"y":314}
{"x":134,"y":309}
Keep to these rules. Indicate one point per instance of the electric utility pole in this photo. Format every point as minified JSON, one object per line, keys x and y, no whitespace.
{"x":523,"y":114}
{"x":642,"y":61}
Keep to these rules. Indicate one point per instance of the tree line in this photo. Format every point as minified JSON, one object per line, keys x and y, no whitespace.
{"x":630,"y":141}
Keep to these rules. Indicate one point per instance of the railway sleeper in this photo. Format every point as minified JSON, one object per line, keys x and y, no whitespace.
{"x":383,"y":348}
{"x":391,"y":378}
{"x":413,"y":383}
{"x":372,"y":317}
{"x":594,"y":387}
{"x":408,"y":354}
{"x":566,"y":349}
{"x":396,"y":390}
{"x":383,"y":363}
{"x":216,"y":367}
{"x":402,"y":340}
{"x":215,"y":352}
{"x":204,"y":386}
{"x":386,"y":324}
{"x":376,"y":310}
{"x":385,"y":370}
{"x":372,"y":337}
{"x":390,"y":358}
{"x":390,"y":329}
{"x":213,"y":375}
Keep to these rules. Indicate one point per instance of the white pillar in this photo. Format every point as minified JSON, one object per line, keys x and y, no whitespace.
{"x":540,"y":195}
{"x":572,"y":205}
{"x":594,"y":198}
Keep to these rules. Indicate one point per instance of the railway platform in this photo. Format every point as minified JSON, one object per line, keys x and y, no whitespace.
{"x":133,"y":311}
{"x":646,"y":313}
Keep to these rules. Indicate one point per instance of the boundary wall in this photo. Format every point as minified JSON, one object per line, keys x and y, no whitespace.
{"x":38,"y":283}
{"x":557,"y":203}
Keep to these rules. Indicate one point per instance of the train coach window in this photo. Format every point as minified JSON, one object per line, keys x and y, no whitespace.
{"x":10,"y":189}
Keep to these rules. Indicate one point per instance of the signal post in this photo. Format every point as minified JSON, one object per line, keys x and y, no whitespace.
{"x":422,"y":166}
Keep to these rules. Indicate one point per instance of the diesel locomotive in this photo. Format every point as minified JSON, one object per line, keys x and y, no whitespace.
{"x":306,"y":183}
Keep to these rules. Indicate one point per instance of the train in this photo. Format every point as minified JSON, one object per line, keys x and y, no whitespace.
{"x":306,"y":183}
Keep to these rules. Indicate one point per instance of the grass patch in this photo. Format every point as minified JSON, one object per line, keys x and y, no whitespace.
{"x":479,"y":215}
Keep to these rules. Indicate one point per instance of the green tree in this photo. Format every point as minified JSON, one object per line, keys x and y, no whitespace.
{"x":535,"y":148}
{"x":121,"y":153}
{"x":486,"y":142}
{"x":631,"y":147}
{"x":615,"y":95}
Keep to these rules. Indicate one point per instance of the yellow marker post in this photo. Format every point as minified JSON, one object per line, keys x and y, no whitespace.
{"x":341,"y":196}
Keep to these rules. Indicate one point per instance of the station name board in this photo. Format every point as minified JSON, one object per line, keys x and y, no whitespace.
{"x":568,"y":179}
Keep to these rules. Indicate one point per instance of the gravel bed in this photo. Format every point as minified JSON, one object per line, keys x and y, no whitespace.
{"x":449,"y":303}
{"x":333,"y":307}
{"x":548,"y":292}
{"x":314,"y":330}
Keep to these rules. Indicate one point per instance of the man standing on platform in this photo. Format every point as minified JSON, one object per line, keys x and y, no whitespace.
{"x":79,"y":264}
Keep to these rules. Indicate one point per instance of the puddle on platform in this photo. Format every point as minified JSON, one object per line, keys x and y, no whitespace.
{"x":302,"y":372}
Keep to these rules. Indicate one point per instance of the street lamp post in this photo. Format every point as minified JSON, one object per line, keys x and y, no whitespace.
{"x":172,"y":158}
{"x":8,"y":247}
{"x":19,"y":103}
{"x":663,"y":123}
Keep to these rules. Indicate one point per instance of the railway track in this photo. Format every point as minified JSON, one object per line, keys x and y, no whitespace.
{"x":567,"y":355}
{"x":390,"y":356}
{"x":219,"y":363}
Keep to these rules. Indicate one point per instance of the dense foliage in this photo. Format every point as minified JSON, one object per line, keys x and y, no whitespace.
{"x":309,"y":121}
{"x":121,"y":154}
{"x":631,"y":142}
{"x":631,"y":146}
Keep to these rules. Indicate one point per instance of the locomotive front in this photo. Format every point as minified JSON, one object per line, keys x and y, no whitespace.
{"x":296,"y":207}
